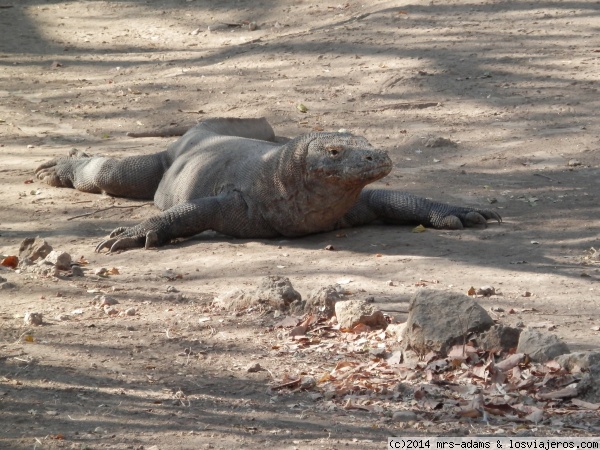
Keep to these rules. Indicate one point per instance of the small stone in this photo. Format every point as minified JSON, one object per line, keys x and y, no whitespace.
{"x":499,"y":337}
{"x":322,"y":301}
{"x":61,"y":260}
{"x":540,"y":346}
{"x":107,"y":300}
{"x":110,"y":310}
{"x":579,"y":360}
{"x":254,"y":367}
{"x":101,"y":272}
{"x":350,"y":313}
{"x":7,"y":285}
{"x":329,"y":394}
{"x":130,"y":312}
{"x":434,"y":142}
{"x":486,"y":291}
{"x":307,"y":383}
{"x":33,"y":318}
{"x":34,"y":248}
{"x":437,"y":320}
{"x":329,"y":247}
{"x":63,"y":317}
{"x":315,"y":396}
{"x":574,"y":163}
{"x":77,"y":271}
{"x":377,"y":352}
{"x":172,"y":289}
{"x":252,"y":26}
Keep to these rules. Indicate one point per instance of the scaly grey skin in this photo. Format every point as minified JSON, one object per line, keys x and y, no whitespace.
{"x":229,"y":175}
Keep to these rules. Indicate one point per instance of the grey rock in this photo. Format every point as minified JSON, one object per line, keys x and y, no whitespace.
{"x":588,"y":388}
{"x":350,"y":313}
{"x":61,"y":260}
{"x":439,"y":142}
{"x":33,"y":318}
{"x":540,"y":346}
{"x":308,"y":382}
{"x":438,"y":320}
{"x":273,"y":291}
{"x":254,"y":367}
{"x":323,"y":301}
{"x":277,"y":291}
{"x":499,"y":337}
{"x":486,"y":291}
{"x":7,"y":285}
{"x":106,"y":300}
{"x":578,"y":361}
{"x":77,"y":271}
{"x":34,"y":248}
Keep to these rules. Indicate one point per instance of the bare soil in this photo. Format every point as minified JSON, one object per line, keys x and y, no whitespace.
{"x":514,"y":84}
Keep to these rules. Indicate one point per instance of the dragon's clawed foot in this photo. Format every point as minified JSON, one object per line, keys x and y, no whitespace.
{"x":123,"y":238}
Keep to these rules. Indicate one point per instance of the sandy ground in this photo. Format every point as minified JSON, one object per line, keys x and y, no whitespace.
{"x":514,"y":84}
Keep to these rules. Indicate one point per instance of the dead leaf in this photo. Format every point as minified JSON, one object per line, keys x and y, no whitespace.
{"x":10,"y":261}
{"x":113,"y":271}
{"x":419,"y":229}
{"x":300,"y":107}
{"x":510,"y":362}
{"x":288,"y":384}
{"x":471,"y":291}
{"x":561,"y":393}
{"x":585,"y":405}
{"x":350,"y":405}
{"x":471,"y":413}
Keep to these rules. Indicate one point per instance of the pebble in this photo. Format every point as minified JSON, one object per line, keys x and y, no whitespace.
{"x":110,"y":310}
{"x":77,"y":271}
{"x":254,"y":367}
{"x":33,"y":318}
{"x":130,"y":312}
{"x":486,"y":291}
{"x":107,"y":300}
{"x":307,"y":383}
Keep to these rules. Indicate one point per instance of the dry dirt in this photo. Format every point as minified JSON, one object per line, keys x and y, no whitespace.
{"x":514,"y":84}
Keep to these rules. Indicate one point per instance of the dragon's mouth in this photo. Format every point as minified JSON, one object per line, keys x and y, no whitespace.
{"x":378,"y":172}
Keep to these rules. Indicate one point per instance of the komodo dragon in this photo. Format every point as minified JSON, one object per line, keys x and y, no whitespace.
{"x":229,"y":175}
